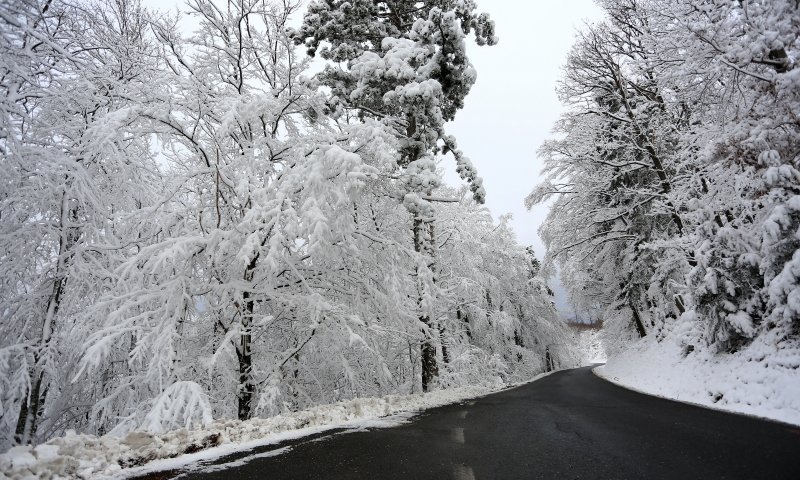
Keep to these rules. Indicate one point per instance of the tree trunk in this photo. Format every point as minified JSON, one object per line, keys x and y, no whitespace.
{"x":22,"y":419}
{"x":430,"y":369}
{"x":244,"y":354}
{"x":433,"y":252}
{"x":518,"y":339}
{"x":32,"y":412}
{"x":445,"y":354}
{"x":462,"y":317}
{"x":637,"y":321}
{"x":29,"y":412}
{"x":246,"y":390}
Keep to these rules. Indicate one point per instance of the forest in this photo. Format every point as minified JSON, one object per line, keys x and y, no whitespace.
{"x":674,"y":175}
{"x":194,"y":227}
{"x":239,"y":212}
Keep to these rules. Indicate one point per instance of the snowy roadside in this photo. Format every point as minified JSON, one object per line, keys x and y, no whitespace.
{"x":89,"y":456}
{"x":762,"y":380}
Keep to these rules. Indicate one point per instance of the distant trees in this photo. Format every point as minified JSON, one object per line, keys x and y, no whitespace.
{"x":499,"y":304}
{"x":675,"y":168}
{"x":194,"y":227}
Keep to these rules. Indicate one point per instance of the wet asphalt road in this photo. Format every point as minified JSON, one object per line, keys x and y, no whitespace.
{"x":568,"y":425}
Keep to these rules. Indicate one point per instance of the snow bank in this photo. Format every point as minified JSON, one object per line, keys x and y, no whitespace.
{"x":88,"y":456}
{"x":761,"y":380}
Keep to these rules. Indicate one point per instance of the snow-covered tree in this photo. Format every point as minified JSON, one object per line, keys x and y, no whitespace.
{"x":678,"y":169}
{"x":500,"y":312}
{"x":72,"y":168}
{"x":260,"y":194}
{"x":404,"y":63}
{"x":193,"y":227}
{"x":745,"y":129}
{"x":616,"y":175}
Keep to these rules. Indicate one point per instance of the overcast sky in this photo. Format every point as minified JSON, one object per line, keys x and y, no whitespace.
{"x":512,"y":107}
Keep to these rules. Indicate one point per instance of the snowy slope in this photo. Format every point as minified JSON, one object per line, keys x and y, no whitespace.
{"x":762,"y":380}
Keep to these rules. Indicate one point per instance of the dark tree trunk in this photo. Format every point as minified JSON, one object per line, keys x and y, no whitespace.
{"x":548,"y":360}
{"x":29,"y":413}
{"x":679,"y":303}
{"x":430,"y":369}
{"x":244,"y":352}
{"x":518,"y":342}
{"x":518,"y":339}
{"x":22,"y":419}
{"x":462,"y":317}
{"x":637,"y":321}
{"x":445,"y":354}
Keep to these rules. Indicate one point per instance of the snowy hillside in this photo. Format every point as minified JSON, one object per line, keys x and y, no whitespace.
{"x":673,"y":180}
{"x":763,"y":379}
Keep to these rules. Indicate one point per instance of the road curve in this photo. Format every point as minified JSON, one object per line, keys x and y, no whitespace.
{"x":568,"y":425}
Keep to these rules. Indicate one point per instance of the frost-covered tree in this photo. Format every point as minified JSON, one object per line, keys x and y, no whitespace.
{"x":500,"y":313}
{"x":259,"y":196}
{"x":194,"y":228}
{"x":678,"y":168}
{"x":745,"y":130}
{"x":72,"y":168}
{"x":616,"y":174}
{"x":405,"y":64}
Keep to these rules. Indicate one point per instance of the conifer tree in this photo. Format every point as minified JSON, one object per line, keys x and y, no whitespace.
{"x":405,"y":64}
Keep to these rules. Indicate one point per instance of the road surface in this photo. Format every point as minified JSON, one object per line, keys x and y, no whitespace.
{"x":568,"y":425}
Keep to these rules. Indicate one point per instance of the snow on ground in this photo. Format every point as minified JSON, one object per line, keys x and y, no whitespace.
{"x":89,"y":456}
{"x":762,"y":379}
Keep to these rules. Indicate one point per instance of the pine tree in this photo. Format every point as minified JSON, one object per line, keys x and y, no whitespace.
{"x":406,"y":65}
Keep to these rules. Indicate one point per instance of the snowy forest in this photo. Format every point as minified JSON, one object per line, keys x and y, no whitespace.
{"x":674,"y":178}
{"x":239,"y":211}
{"x":194,"y":226}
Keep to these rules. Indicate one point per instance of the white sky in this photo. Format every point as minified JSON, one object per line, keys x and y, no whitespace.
{"x":513,"y":105}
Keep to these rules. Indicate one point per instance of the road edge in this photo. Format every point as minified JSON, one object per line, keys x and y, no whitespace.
{"x":617,"y":382}
{"x":161,"y":468}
